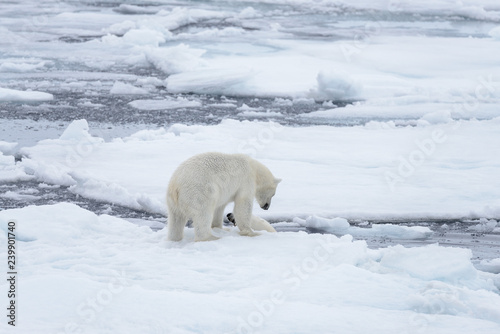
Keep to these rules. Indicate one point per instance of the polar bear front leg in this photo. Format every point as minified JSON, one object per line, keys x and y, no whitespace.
{"x":242,"y":216}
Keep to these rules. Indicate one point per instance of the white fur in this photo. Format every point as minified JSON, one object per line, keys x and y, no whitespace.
{"x":259,"y":224}
{"x":203,"y":185}
{"x":256,"y":223}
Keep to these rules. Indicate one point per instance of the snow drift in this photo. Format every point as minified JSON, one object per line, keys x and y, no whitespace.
{"x":104,"y":274}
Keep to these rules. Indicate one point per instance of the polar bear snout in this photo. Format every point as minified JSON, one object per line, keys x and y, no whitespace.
{"x":265,"y":206}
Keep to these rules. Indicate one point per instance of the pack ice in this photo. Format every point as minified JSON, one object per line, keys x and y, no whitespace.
{"x":86,"y":273}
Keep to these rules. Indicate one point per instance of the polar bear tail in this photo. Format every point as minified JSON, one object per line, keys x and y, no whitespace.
{"x":172,"y":195}
{"x":176,"y":219}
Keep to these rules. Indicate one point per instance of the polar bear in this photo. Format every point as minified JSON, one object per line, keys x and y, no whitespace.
{"x":202,"y":186}
{"x":256,"y":223}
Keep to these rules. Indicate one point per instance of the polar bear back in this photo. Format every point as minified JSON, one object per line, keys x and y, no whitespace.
{"x":215,"y":179}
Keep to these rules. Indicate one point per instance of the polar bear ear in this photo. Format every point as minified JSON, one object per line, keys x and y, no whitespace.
{"x":276,"y":181}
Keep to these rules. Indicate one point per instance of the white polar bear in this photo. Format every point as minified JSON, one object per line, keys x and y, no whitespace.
{"x":202,"y":186}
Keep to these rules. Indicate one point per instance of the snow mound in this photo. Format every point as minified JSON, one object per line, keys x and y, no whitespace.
{"x":335,"y":85}
{"x":7,"y":147}
{"x":9,"y":171}
{"x":485,"y":225}
{"x":12,"y":95}
{"x":447,"y":264}
{"x":176,"y":59}
{"x":78,"y":131}
{"x":437,"y":117}
{"x":6,"y":161}
{"x":209,"y":81}
{"x":340,"y":226}
{"x":144,"y":37}
{"x":62,"y":224}
{"x":491,"y":266}
{"x":121,"y":28}
{"x":93,"y":269}
{"x":72,"y":149}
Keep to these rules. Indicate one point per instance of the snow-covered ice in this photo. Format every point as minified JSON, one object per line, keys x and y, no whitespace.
{"x":103,"y":100}
{"x":165,"y":104}
{"x":88,"y":273}
{"x":121,"y":88}
{"x":376,"y":171}
{"x":23,"y":96}
{"x":340,"y":226}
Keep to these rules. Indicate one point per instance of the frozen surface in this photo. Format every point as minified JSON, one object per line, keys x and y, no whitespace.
{"x":94,"y":270}
{"x":164,"y":104}
{"x":340,"y":226}
{"x":397,"y":59}
{"x":376,"y":171}
{"x":120,"y":88}
{"x":12,"y":95}
{"x":382,"y":118}
{"x":492,"y":265}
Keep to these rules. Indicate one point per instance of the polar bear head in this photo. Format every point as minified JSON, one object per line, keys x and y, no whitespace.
{"x":265,"y":183}
{"x":265,"y":193}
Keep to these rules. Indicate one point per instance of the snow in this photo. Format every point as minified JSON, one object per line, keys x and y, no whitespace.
{"x":346,"y":71}
{"x":23,"y":96}
{"x":21,"y":67}
{"x":472,"y":9}
{"x":377,"y":171}
{"x":7,"y":147}
{"x":177,"y":59}
{"x":143,"y":37}
{"x":9,"y":171}
{"x":179,"y":102}
{"x":440,"y":116}
{"x":93,"y":270}
{"x":492,"y":266}
{"x":121,"y":88}
{"x":18,"y":196}
{"x":336,"y":85}
{"x":212,"y":81}
{"x":255,"y":113}
{"x":340,"y":226}
{"x":420,"y":80}
{"x":248,"y":111}
{"x":256,"y":57}
{"x":484,"y":225}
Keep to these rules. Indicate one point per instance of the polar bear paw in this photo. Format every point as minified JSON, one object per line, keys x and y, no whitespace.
{"x":207,"y":238}
{"x":249,"y":233}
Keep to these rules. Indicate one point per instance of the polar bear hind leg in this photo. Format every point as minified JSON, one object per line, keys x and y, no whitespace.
{"x":203,"y":227}
{"x":218,"y":217}
{"x":176,"y":223}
